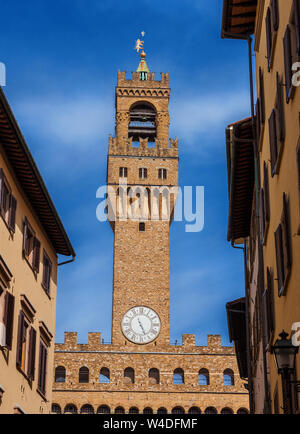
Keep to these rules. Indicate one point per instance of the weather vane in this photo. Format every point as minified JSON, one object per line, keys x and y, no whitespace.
{"x":139,"y":43}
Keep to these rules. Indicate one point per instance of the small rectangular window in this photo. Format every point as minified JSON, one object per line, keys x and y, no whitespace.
{"x":123,"y":172}
{"x":142,"y":227}
{"x":42,"y":368}
{"x":142,"y":173}
{"x":8,"y":203}
{"x":47,"y":271}
{"x":162,"y":173}
{"x":31,"y":247}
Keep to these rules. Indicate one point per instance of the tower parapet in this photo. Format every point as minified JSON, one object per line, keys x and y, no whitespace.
{"x":149,"y":82}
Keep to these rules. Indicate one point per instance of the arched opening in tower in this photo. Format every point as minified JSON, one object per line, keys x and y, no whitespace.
{"x":142,"y":122}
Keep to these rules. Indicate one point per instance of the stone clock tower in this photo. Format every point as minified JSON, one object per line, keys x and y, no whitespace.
{"x":140,"y":371}
{"x":142,"y":172}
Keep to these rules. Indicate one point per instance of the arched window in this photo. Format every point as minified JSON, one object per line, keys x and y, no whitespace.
{"x":194,"y":410}
{"x":162,"y":410}
{"x":103,"y":409}
{"x":133,"y":410}
{"x":242,"y":411}
{"x":129,"y":375}
{"x":210,"y":410}
{"x":226,"y":410}
{"x":142,"y":122}
{"x":228,"y":377}
{"x":203,"y":377}
{"x":84,"y":375}
{"x":148,"y":410}
{"x":178,"y":376}
{"x":178,"y":410}
{"x":60,"y":374}
{"x":104,"y":375}
{"x":87,"y":409}
{"x":70,"y":408}
{"x":55,"y":408}
{"x":119,"y":410}
{"x":153,"y":376}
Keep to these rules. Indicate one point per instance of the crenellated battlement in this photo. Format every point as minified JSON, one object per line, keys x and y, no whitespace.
{"x":150,"y":82}
{"x":188,"y":345}
{"x":124,"y":146}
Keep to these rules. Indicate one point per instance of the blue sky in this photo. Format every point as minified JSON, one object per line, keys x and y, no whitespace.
{"x":62,"y":59}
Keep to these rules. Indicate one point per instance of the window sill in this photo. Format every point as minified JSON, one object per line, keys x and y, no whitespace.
{"x":46,"y":291}
{"x":11,"y":232}
{"x":30,"y":266}
{"x":24,"y":375}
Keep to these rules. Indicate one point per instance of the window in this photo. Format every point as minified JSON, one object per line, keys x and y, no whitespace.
{"x":26,"y":346}
{"x":8,"y":203}
{"x":203,"y":377}
{"x":242,"y":411}
{"x":153,"y":376}
{"x":103,"y":409}
{"x":283,"y":248}
{"x":123,"y":172}
{"x":226,"y":410}
{"x":178,"y":376}
{"x":148,"y":410}
{"x":7,"y":306}
{"x":142,"y":123}
{"x":162,"y":410}
{"x":104,"y":375}
{"x":268,"y":300}
{"x":31,"y":247}
{"x":42,"y":368}
{"x":142,"y":226}
{"x":264,"y":214}
{"x":291,"y":46}
{"x":178,"y":410}
{"x":55,"y":408}
{"x":83,"y":375}
{"x":260,"y":108}
{"x":272,"y":23}
{"x":143,"y":75}
{"x":86,"y":409}
{"x":277,"y":128}
{"x":47,"y":271}
{"x":70,"y":408}
{"x":133,"y":410}
{"x":194,"y":410}
{"x":119,"y":410}
{"x":129,"y":375}
{"x":162,"y":173}
{"x":210,"y":410}
{"x":142,"y":173}
{"x":60,"y":374}
{"x":228,"y":377}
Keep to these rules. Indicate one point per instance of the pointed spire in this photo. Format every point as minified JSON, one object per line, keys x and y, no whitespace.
{"x":143,"y":65}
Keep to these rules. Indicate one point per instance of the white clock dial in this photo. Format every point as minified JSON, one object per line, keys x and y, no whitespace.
{"x":140,"y":325}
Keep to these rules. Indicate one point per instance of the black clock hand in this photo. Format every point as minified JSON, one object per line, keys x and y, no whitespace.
{"x":141,"y":326}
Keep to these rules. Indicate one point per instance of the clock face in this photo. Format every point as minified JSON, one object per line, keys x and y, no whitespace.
{"x":140,"y":325}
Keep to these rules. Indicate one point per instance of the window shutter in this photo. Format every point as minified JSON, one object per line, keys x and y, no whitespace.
{"x":258,"y":119}
{"x":279,"y":259}
{"x":286,"y":239}
{"x":1,"y":188}
{"x":280,"y":127}
{"x":269,"y":38}
{"x":275,"y":15}
{"x":9,"y":318}
{"x":269,"y":304}
{"x":41,"y":364}
{"x":20,"y":337}
{"x":262,"y":96}
{"x":31,"y":354}
{"x":297,"y":23}
{"x":287,"y":62}
{"x":262,"y":215}
{"x":36,"y":254}
{"x":266,"y":193}
{"x":25,"y":235}
{"x":45,"y":370}
{"x":12,"y":213}
{"x":273,"y":140}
